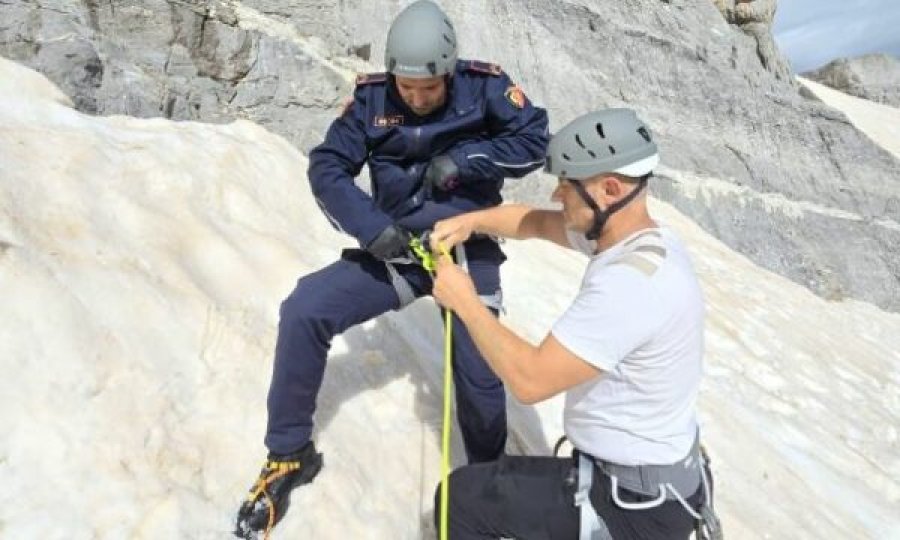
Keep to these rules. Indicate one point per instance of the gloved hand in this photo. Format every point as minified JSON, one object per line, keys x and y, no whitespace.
{"x":442,"y":173}
{"x":391,"y":243}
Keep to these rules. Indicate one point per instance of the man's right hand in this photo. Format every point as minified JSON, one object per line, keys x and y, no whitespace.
{"x":391,"y":243}
{"x":452,"y":231}
{"x":442,"y":173}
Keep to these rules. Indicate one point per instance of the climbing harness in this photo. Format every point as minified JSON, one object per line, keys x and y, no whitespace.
{"x":665,"y":482}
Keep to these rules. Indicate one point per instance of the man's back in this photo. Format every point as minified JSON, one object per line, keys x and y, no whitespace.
{"x":638,"y":318}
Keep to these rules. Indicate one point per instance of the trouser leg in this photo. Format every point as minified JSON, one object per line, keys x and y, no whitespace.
{"x":323,"y":304}
{"x":514,"y":497}
{"x":480,"y":399}
{"x":480,"y":396}
{"x":533,"y":498}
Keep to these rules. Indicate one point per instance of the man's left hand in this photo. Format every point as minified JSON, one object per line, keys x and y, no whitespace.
{"x":447,"y":233}
{"x":452,"y":285}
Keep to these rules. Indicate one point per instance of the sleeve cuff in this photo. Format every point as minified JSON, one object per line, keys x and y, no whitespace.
{"x":458,"y":155}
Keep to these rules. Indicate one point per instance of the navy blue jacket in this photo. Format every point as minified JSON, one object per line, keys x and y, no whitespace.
{"x":488,"y":127}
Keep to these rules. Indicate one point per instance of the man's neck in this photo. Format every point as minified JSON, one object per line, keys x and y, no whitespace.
{"x":623,"y":224}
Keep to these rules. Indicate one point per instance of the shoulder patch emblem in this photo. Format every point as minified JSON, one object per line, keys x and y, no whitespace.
{"x":388,"y":121}
{"x":484,"y":67}
{"x":370,"y":78}
{"x":646,"y":252}
{"x":516,"y":96}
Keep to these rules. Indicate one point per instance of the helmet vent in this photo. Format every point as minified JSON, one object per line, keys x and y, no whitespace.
{"x":448,"y":23}
{"x":578,"y":140}
{"x":447,"y":39}
{"x":644,"y":133}
{"x":592,"y":154}
{"x":600,"y":130}
{"x":566,"y":157}
{"x":444,"y":56}
{"x":611,"y":149}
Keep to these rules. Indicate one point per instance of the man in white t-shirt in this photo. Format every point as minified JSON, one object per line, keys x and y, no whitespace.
{"x":627,"y":353}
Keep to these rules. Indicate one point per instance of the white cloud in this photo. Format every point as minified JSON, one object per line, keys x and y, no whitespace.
{"x":814,"y":32}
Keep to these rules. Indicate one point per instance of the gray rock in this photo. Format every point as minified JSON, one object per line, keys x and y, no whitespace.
{"x":185,"y":60}
{"x":754,"y":18}
{"x":768,"y":170}
{"x":875,"y":77}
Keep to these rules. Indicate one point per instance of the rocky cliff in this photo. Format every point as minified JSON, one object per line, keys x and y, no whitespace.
{"x":875,"y":77}
{"x":781,"y":177}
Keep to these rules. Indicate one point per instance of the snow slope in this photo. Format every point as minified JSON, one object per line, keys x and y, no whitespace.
{"x":141,"y":267}
{"x":879,"y":121}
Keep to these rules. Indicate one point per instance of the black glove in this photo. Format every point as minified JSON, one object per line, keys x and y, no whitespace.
{"x":442,"y":173}
{"x":391,"y":243}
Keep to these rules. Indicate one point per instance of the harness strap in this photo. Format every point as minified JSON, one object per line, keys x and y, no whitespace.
{"x":407,"y":295}
{"x":494,"y":300}
{"x":665,"y":482}
{"x":709,"y":521}
{"x":591,"y":527}
{"x":462,"y":261}
{"x":657,"y":480}
{"x":404,"y":291}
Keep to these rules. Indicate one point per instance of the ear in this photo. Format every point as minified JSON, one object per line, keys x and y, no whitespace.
{"x":612,"y":187}
{"x":599,"y":187}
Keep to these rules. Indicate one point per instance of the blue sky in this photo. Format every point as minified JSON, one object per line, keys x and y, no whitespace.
{"x":813,"y":32}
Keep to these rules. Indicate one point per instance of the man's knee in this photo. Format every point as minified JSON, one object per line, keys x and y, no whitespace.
{"x":472,"y":373}
{"x":482,"y":396}
{"x":309,"y":305}
{"x":464,"y":494}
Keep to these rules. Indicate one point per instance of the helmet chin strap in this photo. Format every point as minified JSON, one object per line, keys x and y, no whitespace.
{"x":600,"y":216}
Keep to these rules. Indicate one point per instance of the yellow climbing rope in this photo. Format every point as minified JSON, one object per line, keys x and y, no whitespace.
{"x":445,"y":435}
{"x":428,"y":263}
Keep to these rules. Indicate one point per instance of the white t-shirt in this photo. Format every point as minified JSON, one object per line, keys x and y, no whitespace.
{"x":639,"y":318}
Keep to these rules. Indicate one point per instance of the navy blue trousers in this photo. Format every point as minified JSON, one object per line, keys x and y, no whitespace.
{"x":351,"y":291}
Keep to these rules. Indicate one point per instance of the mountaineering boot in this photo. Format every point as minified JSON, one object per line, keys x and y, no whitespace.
{"x":270,"y":495}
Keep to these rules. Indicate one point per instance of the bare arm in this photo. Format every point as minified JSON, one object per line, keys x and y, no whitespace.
{"x":508,"y":221}
{"x":532,"y":373}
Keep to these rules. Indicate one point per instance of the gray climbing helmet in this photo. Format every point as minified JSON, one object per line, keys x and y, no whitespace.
{"x":421,"y":42}
{"x":607,"y":141}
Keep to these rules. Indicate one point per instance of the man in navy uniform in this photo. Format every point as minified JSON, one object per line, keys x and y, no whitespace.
{"x":439,"y":136}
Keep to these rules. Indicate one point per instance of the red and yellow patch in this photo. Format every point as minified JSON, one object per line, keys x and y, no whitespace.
{"x":516,"y":96}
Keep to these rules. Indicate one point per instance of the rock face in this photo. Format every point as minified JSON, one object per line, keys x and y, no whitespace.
{"x":783,"y":178}
{"x":875,"y":77}
{"x":182,"y":60}
{"x":754,"y":18}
